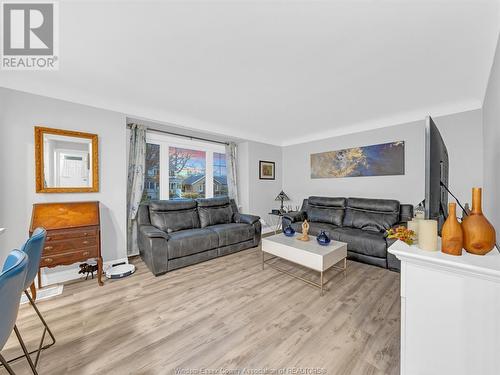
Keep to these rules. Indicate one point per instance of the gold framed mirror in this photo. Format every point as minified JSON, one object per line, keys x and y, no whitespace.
{"x":66,"y":161}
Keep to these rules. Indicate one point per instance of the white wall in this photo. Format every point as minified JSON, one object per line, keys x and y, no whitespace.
{"x":19,"y":113}
{"x":491,"y":122}
{"x":257,"y":196}
{"x":462,"y":133}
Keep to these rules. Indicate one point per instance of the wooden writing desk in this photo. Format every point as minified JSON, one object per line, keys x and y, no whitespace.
{"x":73,"y":233}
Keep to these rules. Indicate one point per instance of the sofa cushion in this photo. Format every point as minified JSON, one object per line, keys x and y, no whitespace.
{"x":191,"y":241}
{"x":315,"y":228}
{"x":371,"y":214}
{"x":338,"y":202}
{"x":213,"y":211}
{"x":212,"y":202}
{"x":362,"y":241}
{"x":325,"y":215}
{"x":175,"y":215}
{"x":232,"y":233}
{"x":326,"y":210}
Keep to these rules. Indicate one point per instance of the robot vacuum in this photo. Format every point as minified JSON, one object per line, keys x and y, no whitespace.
{"x":120,"y":270}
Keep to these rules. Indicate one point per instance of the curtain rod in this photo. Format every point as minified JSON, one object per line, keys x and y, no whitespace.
{"x":183,"y":135}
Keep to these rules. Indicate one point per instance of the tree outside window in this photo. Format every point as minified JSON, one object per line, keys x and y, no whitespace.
{"x":186,"y":173}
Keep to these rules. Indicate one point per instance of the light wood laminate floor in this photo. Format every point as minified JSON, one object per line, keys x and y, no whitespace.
{"x":222,"y":314}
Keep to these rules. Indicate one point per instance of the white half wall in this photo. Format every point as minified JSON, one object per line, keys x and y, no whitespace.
{"x":257,"y":196}
{"x":491,"y":122}
{"x":19,"y":113}
{"x":461,"y":132}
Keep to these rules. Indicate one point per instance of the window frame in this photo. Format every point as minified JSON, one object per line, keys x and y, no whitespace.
{"x":166,"y":141}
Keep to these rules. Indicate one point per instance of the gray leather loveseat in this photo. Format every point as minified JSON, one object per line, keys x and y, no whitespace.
{"x":359,"y":222}
{"x":178,"y":233}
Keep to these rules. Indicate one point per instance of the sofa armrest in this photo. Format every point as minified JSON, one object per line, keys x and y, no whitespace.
{"x":293,"y":217}
{"x":405,"y":213}
{"x":150,"y":231}
{"x":245,"y":218}
{"x":153,"y":246}
{"x":393,"y":263}
{"x":143,"y":214}
{"x":289,"y":218}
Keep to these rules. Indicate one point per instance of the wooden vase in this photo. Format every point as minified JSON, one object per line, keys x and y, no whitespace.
{"x":451,"y":235}
{"x":479,"y":234}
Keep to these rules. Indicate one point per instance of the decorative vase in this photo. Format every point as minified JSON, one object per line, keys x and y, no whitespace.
{"x":451,"y":234}
{"x":289,"y":231}
{"x":479,"y":234}
{"x":323,"y":238}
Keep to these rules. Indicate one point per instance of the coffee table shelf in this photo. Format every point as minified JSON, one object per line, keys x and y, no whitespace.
{"x":308,"y":254}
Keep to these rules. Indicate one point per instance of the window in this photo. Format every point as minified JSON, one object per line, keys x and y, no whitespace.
{"x":186,"y":173}
{"x":220,"y":174}
{"x":177,"y":168}
{"x":152,"y":176}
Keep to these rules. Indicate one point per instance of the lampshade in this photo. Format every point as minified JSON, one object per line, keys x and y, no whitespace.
{"x":282,"y":196}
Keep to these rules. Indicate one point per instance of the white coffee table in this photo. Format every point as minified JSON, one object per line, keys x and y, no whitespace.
{"x":305,"y":253}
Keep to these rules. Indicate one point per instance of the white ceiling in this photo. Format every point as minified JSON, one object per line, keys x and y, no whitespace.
{"x":280,"y":72}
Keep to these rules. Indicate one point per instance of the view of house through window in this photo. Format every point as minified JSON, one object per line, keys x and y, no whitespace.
{"x":220,"y":175}
{"x":186,"y":174}
{"x":187,"y":169}
{"x":152,"y":177}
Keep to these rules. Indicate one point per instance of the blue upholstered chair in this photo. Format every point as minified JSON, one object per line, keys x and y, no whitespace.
{"x":33,"y":249}
{"x":12,"y":279}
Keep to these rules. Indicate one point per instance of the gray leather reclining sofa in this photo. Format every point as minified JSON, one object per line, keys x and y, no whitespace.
{"x":359,"y":222}
{"x":178,"y":233}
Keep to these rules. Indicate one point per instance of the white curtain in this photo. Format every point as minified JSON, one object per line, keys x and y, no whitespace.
{"x":231,"y":165}
{"x":135,"y":183}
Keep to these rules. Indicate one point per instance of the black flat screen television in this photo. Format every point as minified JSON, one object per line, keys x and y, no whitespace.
{"x":436,"y":174}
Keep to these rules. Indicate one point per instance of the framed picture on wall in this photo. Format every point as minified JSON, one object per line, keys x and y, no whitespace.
{"x":266,"y":170}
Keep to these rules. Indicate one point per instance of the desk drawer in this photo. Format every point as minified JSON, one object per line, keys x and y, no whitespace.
{"x":70,"y":233}
{"x":69,"y":258}
{"x":69,"y":245}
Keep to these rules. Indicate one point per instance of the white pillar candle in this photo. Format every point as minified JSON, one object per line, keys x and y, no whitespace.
{"x":428,"y":235}
{"x":413,"y":225}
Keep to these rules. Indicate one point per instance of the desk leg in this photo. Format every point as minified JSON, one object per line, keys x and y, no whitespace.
{"x":33,"y":290}
{"x":99,"y":271}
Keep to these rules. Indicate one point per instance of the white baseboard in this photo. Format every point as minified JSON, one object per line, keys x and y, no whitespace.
{"x":45,"y":293}
{"x":67,"y":273}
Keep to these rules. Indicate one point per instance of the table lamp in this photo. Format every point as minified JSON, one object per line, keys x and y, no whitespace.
{"x":282,"y":197}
